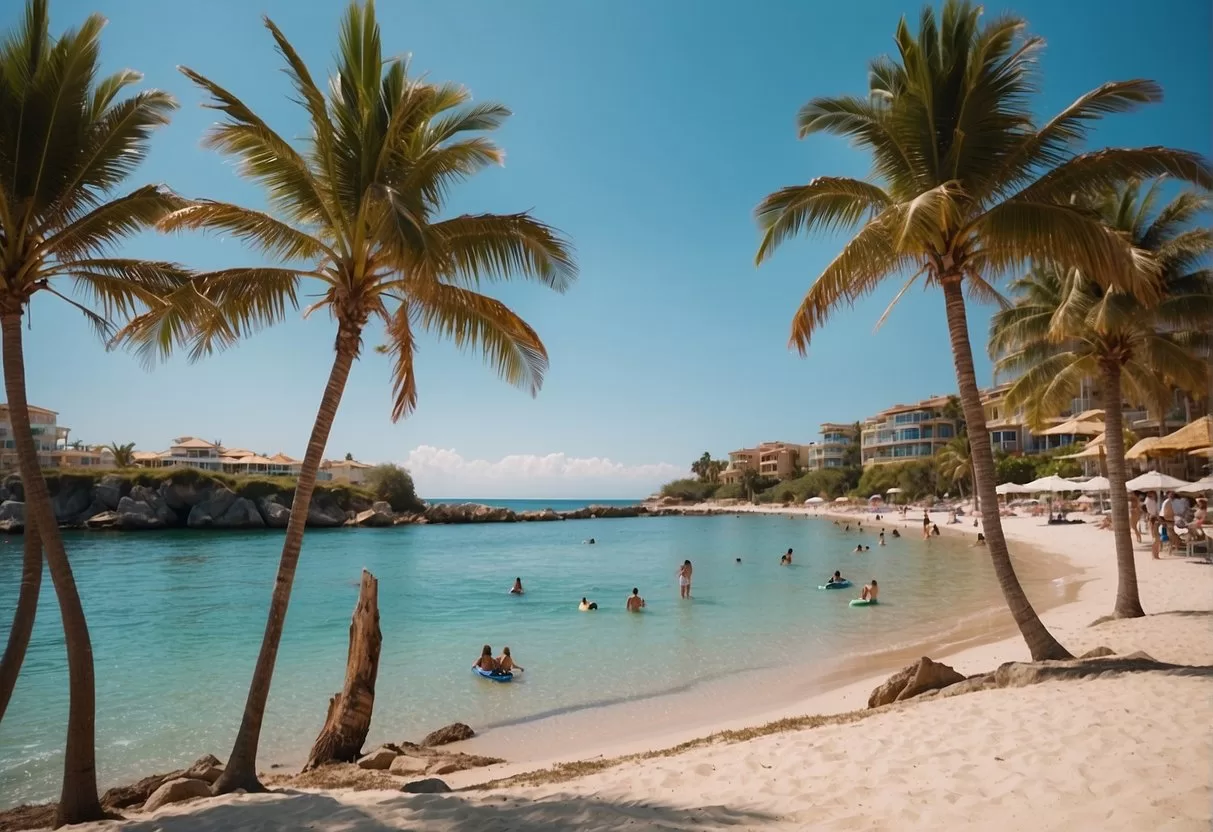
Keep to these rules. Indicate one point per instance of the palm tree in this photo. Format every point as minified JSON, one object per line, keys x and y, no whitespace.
{"x":124,"y":455}
{"x":966,"y":186}
{"x":1065,"y":328}
{"x":361,"y":205}
{"x":702,"y":467}
{"x":68,"y":140}
{"x":954,"y":463}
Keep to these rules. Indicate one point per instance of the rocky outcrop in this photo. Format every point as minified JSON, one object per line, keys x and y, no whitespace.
{"x":12,"y":516}
{"x":222,"y":509}
{"x":918,"y":678}
{"x":378,"y":760}
{"x":109,"y":491}
{"x":72,"y":501}
{"x":274,"y":513}
{"x":144,"y":508}
{"x":206,"y":768}
{"x":405,"y":764}
{"x":374,"y":517}
{"x":137,"y":793}
{"x":12,"y":488}
{"x":324,"y":512}
{"x":103,"y":520}
{"x":175,"y":791}
{"x":181,"y":494}
{"x":468,"y":513}
{"x":455,"y":732}
{"x":545,"y":515}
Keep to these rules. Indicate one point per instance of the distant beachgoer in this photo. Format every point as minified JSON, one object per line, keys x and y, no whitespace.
{"x":881,"y":538}
{"x":859,"y":548}
{"x":1201,"y":515}
{"x":589,"y":542}
{"x":848,"y":528}
{"x":739,"y":560}
{"x":870,"y":592}
{"x":486,"y":660}
{"x":505,"y":664}
{"x":935,"y":529}
{"x":836,"y":578}
{"x":1135,"y":514}
{"x":635,"y":602}
{"x":517,"y":588}
{"x":586,"y":606}
{"x":684,"y":579}
{"x":896,"y":533}
{"x":981,"y":540}
{"x":786,"y":560}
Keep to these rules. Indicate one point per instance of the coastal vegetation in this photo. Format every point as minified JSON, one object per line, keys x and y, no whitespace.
{"x":69,"y":138}
{"x":394,"y":485}
{"x":124,"y":455}
{"x":1065,"y":327}
{"x":362,"y":203}
{"x":968,"y":186}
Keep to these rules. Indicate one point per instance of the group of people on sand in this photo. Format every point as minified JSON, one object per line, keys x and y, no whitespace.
{"x":501,"y":666}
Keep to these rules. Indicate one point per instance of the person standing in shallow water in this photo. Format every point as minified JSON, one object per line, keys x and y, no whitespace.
{"x":684,"y":579}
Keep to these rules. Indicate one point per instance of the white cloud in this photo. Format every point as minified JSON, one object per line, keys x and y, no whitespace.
{"x":443,"y":472}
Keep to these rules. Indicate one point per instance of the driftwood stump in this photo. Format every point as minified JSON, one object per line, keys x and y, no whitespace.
{"x":349,"y":714}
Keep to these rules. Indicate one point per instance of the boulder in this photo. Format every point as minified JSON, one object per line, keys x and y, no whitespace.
{"x":144,"y":508}
{"x":324,"y":512}
{"x":404,"y":764}
{"x":383,"y":507}
{"x":175,"y":791}
{"x":545,"y":515}
{"x":206,"y":768}
{"x":455,"y":732}
{"x":12,"y":516}
{"x":468,"y":513}
{"x":104,"y":520}
{"x":13,"y":487}
{"x":445,"y":767}
{"x":922,"y":676}
{"x":430,"y":785}
{"x":137,"y":793}
{"x":72,"y":500}
{"x":1098,"y":652}
{"x":224,"y":510}
{"x":274,"y":513}
{"x":109,"y":490}
{"x":372,"y":517}
{"x":182,"y":495}
{"x":378,"y":760}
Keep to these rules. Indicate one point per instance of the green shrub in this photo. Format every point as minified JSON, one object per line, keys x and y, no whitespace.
{"x":689,"y":489}
{"x":394,"y":485}
{"x":730,"y":491}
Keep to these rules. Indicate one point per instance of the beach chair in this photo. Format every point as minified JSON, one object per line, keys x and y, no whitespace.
{"x":1196,"y":542}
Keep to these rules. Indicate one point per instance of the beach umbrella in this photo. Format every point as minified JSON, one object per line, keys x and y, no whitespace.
{"x":1052,"y":483}
{"x":1085,"y":498}
{"x":1095,"y":484}
{"x":814,"y":501}
{"x":843,"y":500}
{"x":1198,"y":487}
{"x":1207,"y":453}
{"x":1012,"y":488}
{"x":1155,"y":481}
{"x":894,"y":490}
{"x":875,"y":497}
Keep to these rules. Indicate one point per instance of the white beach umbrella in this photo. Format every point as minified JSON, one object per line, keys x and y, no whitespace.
{"x":1095,"y":484}
{"x":894,"y":490}
{"x":842,"y":500}
{"x":1198,"y":487}
{"x":1155,"y":481}
{"x":1012,"y":488}
{"x":1052,"y":483}
{"x":1085,"y":498}
{"x":875,"y":497}
{"x":814,"y":501}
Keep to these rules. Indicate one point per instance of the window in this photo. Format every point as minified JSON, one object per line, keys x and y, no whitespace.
{"x":945,"y":432}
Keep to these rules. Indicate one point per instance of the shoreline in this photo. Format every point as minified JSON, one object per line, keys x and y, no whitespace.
{"x":825,"y":691}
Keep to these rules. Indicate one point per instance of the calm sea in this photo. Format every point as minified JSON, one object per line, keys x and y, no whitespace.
{"x":177,"y":617}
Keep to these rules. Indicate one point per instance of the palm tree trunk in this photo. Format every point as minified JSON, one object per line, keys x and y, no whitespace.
{"x":241,"y":769}
{"x":1040,"y":641}
{"x":1128,"y":604}
{"x":78,"y":800}
{"x":23,"y":616}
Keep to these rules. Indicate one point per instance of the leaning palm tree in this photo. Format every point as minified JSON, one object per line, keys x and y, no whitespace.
{"x":1065,"y":328}
{"x":362,"y":206}
{"x":124,"y":455}
{"x":966,"y":186}
{"x":954,"y":463}
{"x":68,"y":140}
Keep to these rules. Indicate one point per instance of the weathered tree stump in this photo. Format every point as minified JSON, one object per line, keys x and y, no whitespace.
{"x":349,"y":714}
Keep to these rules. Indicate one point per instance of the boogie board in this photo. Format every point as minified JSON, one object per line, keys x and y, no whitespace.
{"x":859,"y":602}
{"x":492,"y":677}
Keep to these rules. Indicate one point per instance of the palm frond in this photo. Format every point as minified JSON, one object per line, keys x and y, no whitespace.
{"x":402,"y":346}
{"x":1094,"y":174}
{"x":474,"y":248}
{"x":825,"y":203}
{"x":264,"y":232}
{"x":105,"y":226}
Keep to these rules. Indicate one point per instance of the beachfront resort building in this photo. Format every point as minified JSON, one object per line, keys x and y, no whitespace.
{"x":345,"y":470}
{"x":779,"y":460}
{"x":192,"y":452}
{"x":907,"y":431}
{"x":831,"y":451}
{"x":50,"y":441}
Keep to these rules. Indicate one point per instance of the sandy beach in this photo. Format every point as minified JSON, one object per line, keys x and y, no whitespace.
{"x":1130,"y":751}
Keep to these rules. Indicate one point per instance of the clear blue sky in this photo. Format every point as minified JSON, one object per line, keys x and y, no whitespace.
{"x":647,"y":131}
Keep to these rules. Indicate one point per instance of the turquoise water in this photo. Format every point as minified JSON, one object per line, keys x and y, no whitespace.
{"x":177,"y":617}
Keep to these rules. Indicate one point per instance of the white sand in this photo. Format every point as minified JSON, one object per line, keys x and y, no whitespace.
{"x":1127,"y":752}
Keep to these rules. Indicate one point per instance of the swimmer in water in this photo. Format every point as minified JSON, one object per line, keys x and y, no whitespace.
{"x":516,"y":589}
